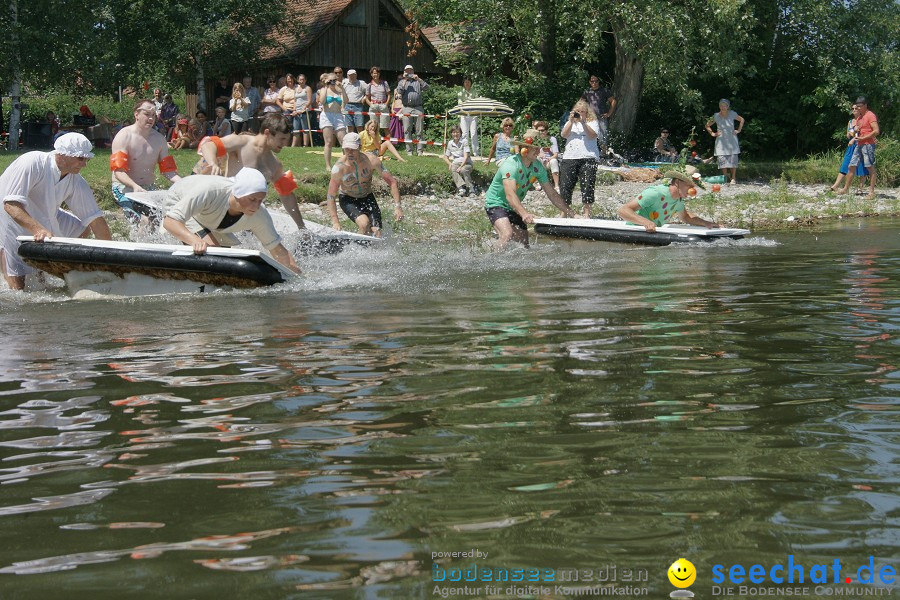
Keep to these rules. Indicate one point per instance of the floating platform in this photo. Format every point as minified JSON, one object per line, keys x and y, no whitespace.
{"x":98,"y":267}
{"x":620,"y":231}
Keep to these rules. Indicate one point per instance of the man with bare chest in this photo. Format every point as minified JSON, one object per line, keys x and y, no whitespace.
{"x":351,"y":185}
{"x":136,"y":151}
{"x":228,"y":155}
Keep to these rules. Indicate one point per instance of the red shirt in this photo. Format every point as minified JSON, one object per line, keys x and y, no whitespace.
{"x":864,"y":127}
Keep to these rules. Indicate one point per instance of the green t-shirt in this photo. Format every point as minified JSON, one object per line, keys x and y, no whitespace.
{"x":656,"y":203}
{"x":512,"y":168}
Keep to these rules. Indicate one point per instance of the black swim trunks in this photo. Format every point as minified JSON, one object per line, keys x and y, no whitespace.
{"x":354,"y":207}
{"x":498,"y":212}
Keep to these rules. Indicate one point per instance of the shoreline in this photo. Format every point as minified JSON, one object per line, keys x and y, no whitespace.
{"x":755,"y":206}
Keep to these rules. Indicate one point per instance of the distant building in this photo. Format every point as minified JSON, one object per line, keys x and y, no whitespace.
{"x":352,"y":34}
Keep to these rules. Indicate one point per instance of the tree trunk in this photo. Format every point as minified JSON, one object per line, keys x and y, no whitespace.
{"x":627,"y":89}
{"x":15,"y":113}
{"x":201,"y":88}
{"x":547,"y":64}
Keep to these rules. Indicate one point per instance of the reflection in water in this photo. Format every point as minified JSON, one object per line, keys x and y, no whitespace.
{"x":564,"y":407}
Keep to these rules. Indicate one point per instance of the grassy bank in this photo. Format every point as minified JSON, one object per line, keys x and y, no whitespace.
{"x":777,"y":195}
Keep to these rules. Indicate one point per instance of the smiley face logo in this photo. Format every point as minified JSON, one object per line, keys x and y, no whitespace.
{"x":682,"y":573}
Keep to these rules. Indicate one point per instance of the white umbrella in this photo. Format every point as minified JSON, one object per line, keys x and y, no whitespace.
{"x":480,"y":106}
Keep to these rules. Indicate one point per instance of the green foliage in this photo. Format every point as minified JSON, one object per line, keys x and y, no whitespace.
{"x":791,"y":67}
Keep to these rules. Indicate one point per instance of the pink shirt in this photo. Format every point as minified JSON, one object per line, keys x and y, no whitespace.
{"x":864,"y":127}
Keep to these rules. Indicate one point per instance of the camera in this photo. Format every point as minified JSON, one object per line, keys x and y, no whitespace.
{"x":409,"y":75}
{"x":576,"y":116}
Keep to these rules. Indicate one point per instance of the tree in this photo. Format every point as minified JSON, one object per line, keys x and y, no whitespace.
{"x":195,"y":39}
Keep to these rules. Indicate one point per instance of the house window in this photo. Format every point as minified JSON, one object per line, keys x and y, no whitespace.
{"x":386,"y":20}
{"x":357,"y":16}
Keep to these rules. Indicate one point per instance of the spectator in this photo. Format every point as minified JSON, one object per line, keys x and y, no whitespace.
{"x":332,"y":98}
{"x":468,"y":123}
{"x":222,"y":94}
{"x":579,"y":161}
{"x":396,"y":122}
{"x":168,"y":114}
{"x":157,"y":101}
{"x":287,"y":101}
{"x":549,"y":155}
{"x":204,"y":126}
{"x":411,"y":90}
{"x":458,"y":158}
{"x":52,"y":127}
{"x":240,"y":109}
{"x":728,"y":149}
{"x":377,"y":93}
{"x":665,"y":151}
{"x":269,"y":101}
{"x":603,"y":103}
{"x":222,"y":126}
{"x":356,"y":95}
{"x":253,"y":98}
{"x":848,"y":154}
{"x":501,"y":148}
{"x":372,"y":144}
{"x":196,"y":133}
{"x":867,"y":130}
{"x":303,"y":109}
{"x":339,"y":73}
{"x":181,"y":135}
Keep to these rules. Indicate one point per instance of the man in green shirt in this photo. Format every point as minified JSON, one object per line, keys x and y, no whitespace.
{"x":659,"y":203}
{"x":515,"y":176}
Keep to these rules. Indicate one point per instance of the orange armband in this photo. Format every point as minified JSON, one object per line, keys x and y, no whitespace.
{"x":286,"y":184}
{"x":220,"y":145}
{"x":167,"y":165}
{"x":118,"y":161}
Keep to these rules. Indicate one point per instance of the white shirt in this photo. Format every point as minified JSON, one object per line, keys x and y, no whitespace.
{"x":579,"y":145}
{"x":455,"y":151}
{"x":33,"y":180}
{"x":205,"y":199}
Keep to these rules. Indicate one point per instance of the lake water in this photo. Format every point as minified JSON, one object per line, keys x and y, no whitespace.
{"x":583,"y":406}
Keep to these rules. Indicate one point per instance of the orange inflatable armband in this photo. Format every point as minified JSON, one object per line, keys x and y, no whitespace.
{"x":286,"y":184}
{"x":220,"y":146}
{"x":167,"y":165}
{"x":118,"y":161}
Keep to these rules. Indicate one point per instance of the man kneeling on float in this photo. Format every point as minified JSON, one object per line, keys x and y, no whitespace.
{"x":656,"y":205}
{"x":221,"y":208}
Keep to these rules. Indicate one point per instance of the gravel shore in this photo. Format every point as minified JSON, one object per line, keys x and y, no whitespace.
{"x":755,"y":205}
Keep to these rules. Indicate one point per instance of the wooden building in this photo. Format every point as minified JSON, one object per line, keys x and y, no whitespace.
{"x":354,"y":34}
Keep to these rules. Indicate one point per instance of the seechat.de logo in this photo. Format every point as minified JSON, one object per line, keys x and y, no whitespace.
{"x":682,"y":574}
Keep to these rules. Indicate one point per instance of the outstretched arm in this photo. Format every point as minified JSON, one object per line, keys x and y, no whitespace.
{"x":284,"y":257}
{"x":690,"y":219}
{"x":628,"y":211}
{"x":557,"y":200}
{"x":17,"y":211}
{"x":181,"y":232}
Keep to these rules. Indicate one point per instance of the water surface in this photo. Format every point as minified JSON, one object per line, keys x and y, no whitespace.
{"x":576,"y":405}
